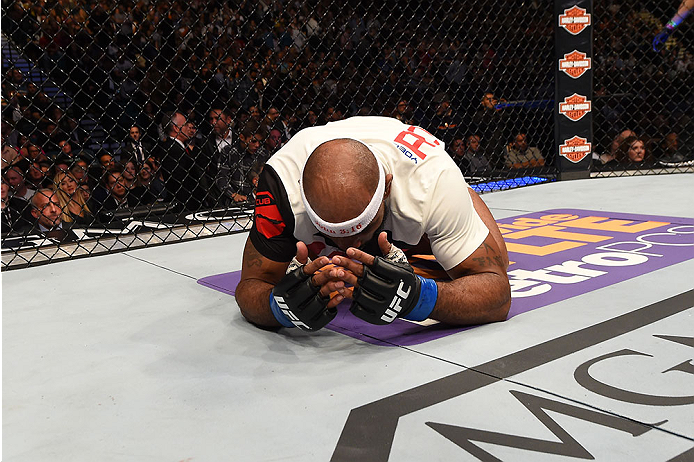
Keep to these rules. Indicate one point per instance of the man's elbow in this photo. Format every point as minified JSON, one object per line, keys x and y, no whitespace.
{"x":500,"y":309}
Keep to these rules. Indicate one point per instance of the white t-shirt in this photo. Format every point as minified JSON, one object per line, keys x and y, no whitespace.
{"x":428,"y":193}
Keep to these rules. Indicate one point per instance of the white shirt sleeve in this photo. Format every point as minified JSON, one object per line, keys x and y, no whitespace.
{"x":454,"y":228}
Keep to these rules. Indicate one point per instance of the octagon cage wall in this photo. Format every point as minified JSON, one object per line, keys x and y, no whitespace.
{"x":93,"y":93}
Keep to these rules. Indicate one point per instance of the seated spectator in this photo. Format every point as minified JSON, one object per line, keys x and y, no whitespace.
{"x":404,"y":113}
{"x":445,"y":124}
{"x":80,"y":170}
{"x":253,"y":177}
{"x":274,"y":120}
{"x":633,"y":151}
{"x":72,"y":203}
{"x":36,"y":176}
{"x":129,"y":173}
{"x":274,"y":141}
{"x":674,"y":153}
{"x":617,"y":141}
{"x":16,"y":213}
{"x":233,"y":168}
{"x":15,"y":176}
{"x":10,"y":155}
{"x":474,"y":161}
{"x":147,"y":180}
{"x":47,"y":214}
{"x":457,"y":151}
{"x":35,"y":153}
{"x":116,"y":196}
{"x":519,"y":155}
{"x":106,"y":160}
{"x":62,"y":164}
{"x":86,"y":192}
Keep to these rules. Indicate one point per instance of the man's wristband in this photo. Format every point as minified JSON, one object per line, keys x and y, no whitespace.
{"x":278,"y":314}
{"x":428,"y":295}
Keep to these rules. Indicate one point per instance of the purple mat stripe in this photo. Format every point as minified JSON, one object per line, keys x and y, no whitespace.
{"x":557,"y":254}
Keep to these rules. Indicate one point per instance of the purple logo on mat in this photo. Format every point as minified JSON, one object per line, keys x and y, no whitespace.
{"x":555,"y":255}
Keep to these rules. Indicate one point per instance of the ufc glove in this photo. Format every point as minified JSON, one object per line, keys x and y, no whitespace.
{"x":389,"y":290}
{"x":295,"y":301}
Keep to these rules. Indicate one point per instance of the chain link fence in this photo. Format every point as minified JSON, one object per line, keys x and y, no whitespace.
{"x":643,"y":98}
{"x":137,"y":123}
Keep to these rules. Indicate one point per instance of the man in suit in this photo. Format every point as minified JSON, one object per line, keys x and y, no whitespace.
{"x":218,"y":144}
{"x":47,"y":213}
{"x":134,"y":148}
{"x":183,"y":176}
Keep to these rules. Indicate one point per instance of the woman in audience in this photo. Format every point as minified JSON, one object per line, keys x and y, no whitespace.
{"x":74,"y":206}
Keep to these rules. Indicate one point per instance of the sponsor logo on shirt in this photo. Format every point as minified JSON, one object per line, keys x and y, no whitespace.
{"x":268,"y":219}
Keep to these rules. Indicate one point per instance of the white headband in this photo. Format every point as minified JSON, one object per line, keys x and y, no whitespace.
{"x":355,"y":225}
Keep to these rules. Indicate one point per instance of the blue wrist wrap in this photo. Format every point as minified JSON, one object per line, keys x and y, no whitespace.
{"x":277,"y":312}
{"x":428,"y":295}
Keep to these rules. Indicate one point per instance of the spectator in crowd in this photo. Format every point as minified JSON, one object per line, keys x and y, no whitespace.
{"x":474,"y":162}
{"x":148,"y":180}
{"x":184,"y":178}
{"x":491,"y":123}
{"x":15,"y":177}
{"x":106,"y":161}
{"x":36,"y":176}
{"x":117,"y":192}
{"x":445,"y":124}
{"x":520,"y":155}
{"x":47,"y":214}
{"x":274,"y":141}
{"x":219,"y":142}
{"x":72,"y":203}
{"x":35,"y":153}
{"x":253,"y":177}
{"x":134,"y":147}
{"x":632,"y":151}
{"x":457,"y":151}
{"x":15,"y":212}
{"x":311,"y":119}
{"x":10,"y":155}
{"x":86,"y":192}
{"x":404,"y":113}
{"x":273,"y":120}
{"x":129,"y":173}
{"x":80,"y":170}
{"x":233,"y":168}
{"x":67,"y":150}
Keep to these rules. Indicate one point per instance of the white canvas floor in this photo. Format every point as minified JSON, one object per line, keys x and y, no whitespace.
{"x":126,"y":357}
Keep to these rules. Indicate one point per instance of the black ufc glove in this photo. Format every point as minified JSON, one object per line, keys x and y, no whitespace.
{"x":386,"y":291}
{"x":295,"y":301}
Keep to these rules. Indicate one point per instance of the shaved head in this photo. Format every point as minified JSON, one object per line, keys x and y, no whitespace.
{"x":339,"y":179}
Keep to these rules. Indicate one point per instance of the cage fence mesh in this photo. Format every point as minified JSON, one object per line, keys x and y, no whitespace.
{"x":136,"y":123}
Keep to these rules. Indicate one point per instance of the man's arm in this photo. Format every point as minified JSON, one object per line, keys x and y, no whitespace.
{"x":682,"y":12}
{"x":259,"y":275}
{"x":478,"y":293}
{"x":486,"y":216}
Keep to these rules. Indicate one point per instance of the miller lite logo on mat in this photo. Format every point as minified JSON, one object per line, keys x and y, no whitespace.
{"x":575,"y":64}
{"x":575,"y":149}
{"x":575,"y":107}
{"x":574,"y":20}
